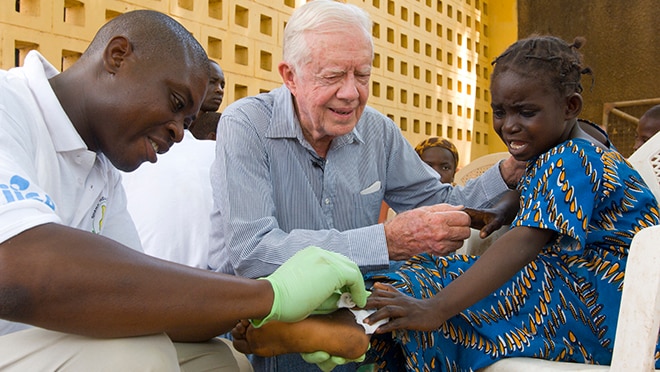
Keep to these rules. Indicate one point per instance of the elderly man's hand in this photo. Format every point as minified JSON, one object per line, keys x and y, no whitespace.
{"x":439,"y":229}
{"x":512,"y":171}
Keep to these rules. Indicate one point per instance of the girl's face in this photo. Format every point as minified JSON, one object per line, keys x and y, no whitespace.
{"x":442,"y":161}
{"x":529,"y":115}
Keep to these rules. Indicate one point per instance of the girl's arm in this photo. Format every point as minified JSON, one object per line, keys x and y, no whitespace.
{"x":508,"y":255}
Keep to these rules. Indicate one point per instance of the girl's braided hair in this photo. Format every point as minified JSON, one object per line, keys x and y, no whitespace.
{"x":547,"y":56}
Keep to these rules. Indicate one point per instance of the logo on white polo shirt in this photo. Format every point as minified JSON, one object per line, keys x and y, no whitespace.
{"x":98,"y":215}
{"x":19,"y":189}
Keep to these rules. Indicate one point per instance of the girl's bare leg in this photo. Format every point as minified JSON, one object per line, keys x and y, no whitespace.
{"x":337,"y":334}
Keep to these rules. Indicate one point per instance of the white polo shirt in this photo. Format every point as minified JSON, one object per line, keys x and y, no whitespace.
{"x":47,"y":174}
{"x":171,"y":202}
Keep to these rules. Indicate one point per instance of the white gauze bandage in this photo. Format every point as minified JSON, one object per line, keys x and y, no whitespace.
{"x":345,"y":300}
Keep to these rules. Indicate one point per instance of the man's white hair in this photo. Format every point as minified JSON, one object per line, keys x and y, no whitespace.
{"x":321,"y":16}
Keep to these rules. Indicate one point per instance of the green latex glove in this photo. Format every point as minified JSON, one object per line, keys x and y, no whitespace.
{"x":330,"y":304}
{"x":307,"y":280}
{"x":326,"y":362}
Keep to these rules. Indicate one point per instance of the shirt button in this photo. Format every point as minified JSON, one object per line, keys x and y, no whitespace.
{"x":327,"y":201}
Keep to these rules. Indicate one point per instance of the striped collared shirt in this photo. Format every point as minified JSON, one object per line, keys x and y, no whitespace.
{"x":274,"y":196}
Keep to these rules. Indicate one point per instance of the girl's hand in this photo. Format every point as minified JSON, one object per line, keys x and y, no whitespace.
{"x":491,"y":219}
{"x":405,"y":312}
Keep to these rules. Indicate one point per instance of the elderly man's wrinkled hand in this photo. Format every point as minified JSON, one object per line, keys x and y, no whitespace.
{"x":512,"y":171}
{"x":439,"y":229}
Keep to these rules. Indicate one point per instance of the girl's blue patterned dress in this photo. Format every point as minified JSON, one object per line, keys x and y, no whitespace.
{"x":563,"y":305}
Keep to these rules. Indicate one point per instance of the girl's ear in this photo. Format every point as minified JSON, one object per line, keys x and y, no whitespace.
{"x":573,"y":106}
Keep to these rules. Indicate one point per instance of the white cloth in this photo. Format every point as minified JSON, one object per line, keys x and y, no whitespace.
{"x":345,"y":300}
{"x":171,"y":201}
{"x":47,"y":174}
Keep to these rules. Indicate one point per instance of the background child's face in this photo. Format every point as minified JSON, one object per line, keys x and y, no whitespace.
{"x":442,"y":161}
{"x":528,"y":114}
{"x":647,"y":127}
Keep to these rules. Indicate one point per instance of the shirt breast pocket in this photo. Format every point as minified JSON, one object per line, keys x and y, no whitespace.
{"x":367,"y":205}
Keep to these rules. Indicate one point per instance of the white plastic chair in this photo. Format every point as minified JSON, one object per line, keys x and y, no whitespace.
{"x":638,"y":323}
{"x":478,"y":166}
{"x":646,"y":160}
{"x":474,"y":245}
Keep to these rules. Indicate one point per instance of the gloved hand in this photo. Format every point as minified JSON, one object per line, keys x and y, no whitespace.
{"x":330,"y":304}
{"x":307,"y":280}
{"x":326,"y":362}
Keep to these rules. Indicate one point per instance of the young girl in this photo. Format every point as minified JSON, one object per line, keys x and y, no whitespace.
{"x":550,"y":287}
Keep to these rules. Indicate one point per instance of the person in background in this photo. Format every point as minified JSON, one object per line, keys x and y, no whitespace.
{"x":441,"y":155}
{"x":76,"y":292}
{"x":550,"y":287}
{"x":649,"y":125}
{"x":204,"y":127}
{"x":309,"y":163}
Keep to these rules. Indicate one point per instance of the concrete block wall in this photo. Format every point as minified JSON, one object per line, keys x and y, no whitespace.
{"x":431,"y":67}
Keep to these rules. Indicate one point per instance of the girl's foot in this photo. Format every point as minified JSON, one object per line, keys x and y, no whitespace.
{"x":337,"y":334}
